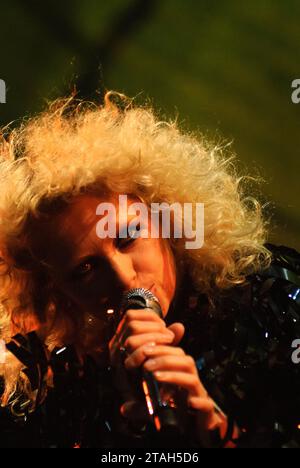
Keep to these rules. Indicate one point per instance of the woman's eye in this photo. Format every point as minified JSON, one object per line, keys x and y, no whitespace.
{"x":84,"y":269}
{"x":131,"y":235}
{"x":121,"y":242}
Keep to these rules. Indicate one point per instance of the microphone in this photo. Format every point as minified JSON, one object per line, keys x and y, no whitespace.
{"x":166,"y":403}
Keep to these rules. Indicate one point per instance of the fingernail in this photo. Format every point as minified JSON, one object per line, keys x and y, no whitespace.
{"x":149,"y":346}
{"x":157,"y":374}
{"x":149,"y":365}
{"x":149,"y":349}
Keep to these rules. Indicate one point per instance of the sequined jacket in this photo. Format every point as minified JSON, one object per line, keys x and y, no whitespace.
{"x":245,"y":346}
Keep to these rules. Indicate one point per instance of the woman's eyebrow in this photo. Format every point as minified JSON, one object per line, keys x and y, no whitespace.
{"x":89,"y":250}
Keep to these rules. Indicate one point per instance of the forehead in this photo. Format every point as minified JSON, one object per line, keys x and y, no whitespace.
{"x":58,"y":239}
{"x":81,"y":214}
{"x":78,"y":217}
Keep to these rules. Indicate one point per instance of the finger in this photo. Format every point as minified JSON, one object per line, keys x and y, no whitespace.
{"x":144,"y":315}
{"x":138,"y":357}
{"x":135,"y":341}
{"x":206,"y":414}
{"x":171,"y":363}
{"x":137,"y":327}
{"x":205,"y":405}
{"x":178,"y":330}
{"x":188,"y":381}
{"x":162,"y":350}
{"x":140,"y":315}
{"x":140,"y":328}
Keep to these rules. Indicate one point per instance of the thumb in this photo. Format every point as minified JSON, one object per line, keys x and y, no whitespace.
{"x":178,"y":330}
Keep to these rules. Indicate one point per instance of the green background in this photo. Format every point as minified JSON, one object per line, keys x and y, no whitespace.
{"x":224,"y":67}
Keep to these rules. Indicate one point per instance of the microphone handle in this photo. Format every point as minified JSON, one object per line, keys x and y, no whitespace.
{"x":166,"y":403}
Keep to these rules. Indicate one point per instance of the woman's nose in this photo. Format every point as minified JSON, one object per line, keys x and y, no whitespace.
{"x":123,"y":268}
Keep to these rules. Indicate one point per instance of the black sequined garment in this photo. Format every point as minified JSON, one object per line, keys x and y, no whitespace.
{"x":245,"y":349}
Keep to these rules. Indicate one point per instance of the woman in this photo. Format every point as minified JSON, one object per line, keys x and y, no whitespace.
{"x":229,"y":309}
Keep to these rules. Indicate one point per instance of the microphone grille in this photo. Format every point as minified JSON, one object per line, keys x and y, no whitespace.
{"x":139,"y":292}
{"x":140,"y":298}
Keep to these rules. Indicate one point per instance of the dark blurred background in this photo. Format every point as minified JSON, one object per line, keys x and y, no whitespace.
{"x":224,"y":67}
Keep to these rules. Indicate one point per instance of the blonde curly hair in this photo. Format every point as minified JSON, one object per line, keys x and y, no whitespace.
{"x":76,"y":147}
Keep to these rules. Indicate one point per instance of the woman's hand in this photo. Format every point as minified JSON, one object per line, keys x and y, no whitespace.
{"x":151,"y":345}
{"x":137,"y":329}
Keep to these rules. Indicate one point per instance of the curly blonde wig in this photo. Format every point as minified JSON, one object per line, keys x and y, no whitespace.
{"x":76,"y":147}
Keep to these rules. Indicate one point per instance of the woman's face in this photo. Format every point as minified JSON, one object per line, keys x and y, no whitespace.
{"x":93,"y":272}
